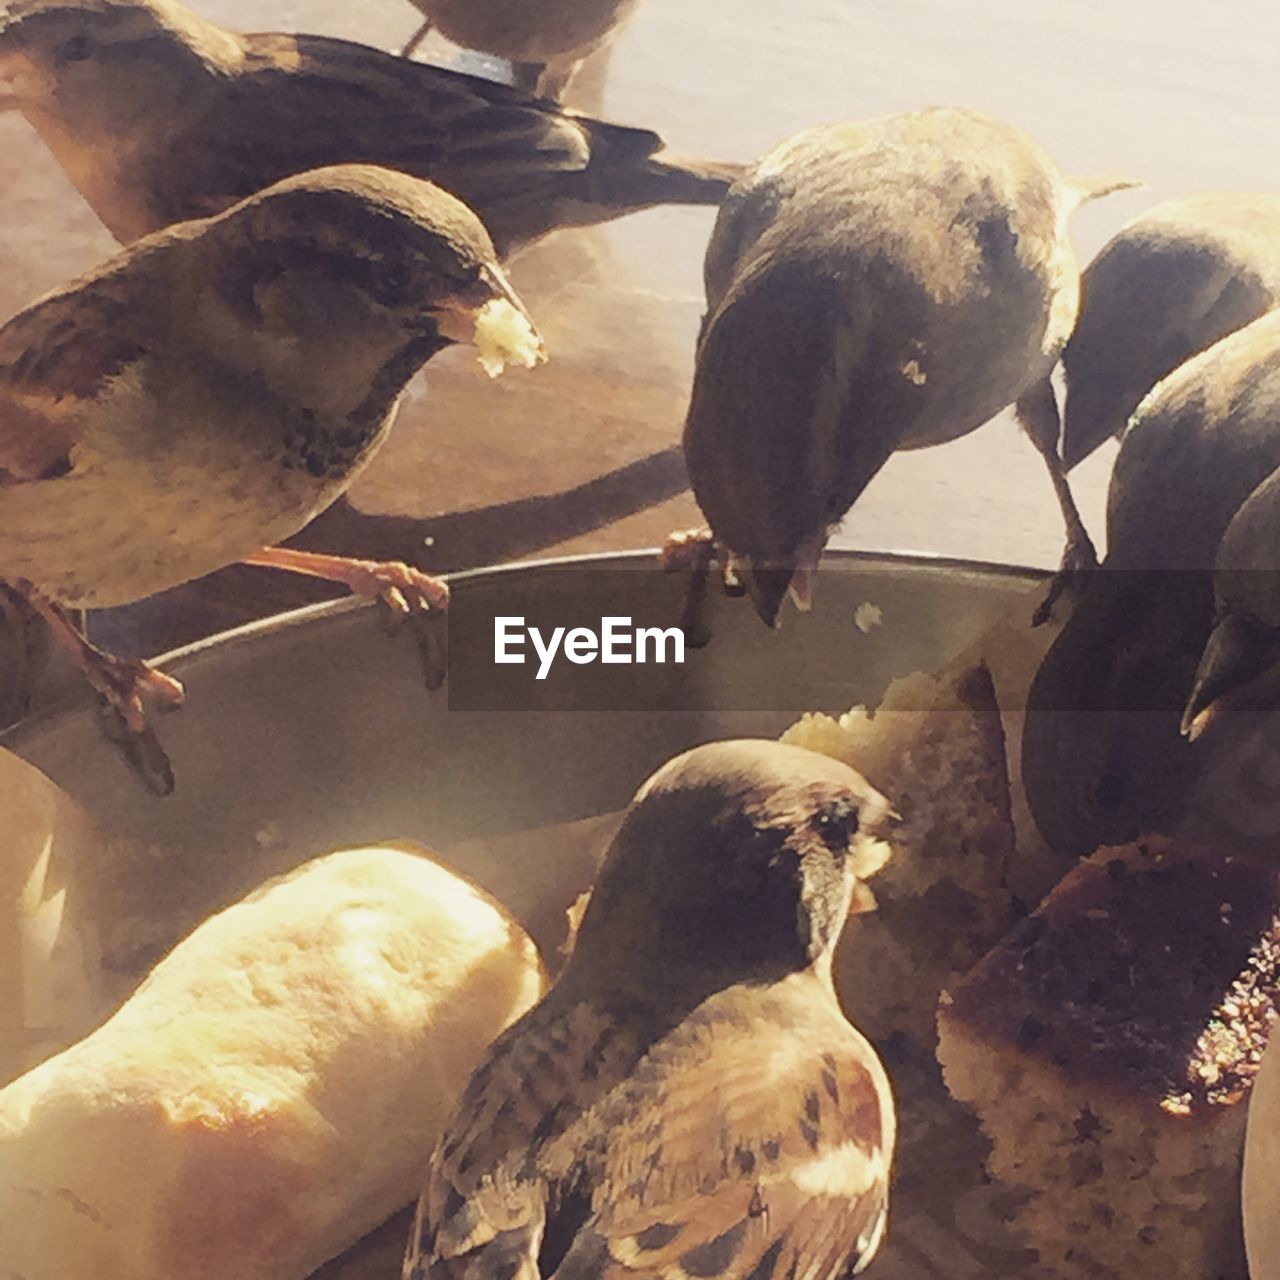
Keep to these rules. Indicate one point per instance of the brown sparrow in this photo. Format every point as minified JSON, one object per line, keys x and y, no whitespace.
{"x":874,"y":286}
{"x":544,"y":40}
{"x":158,"y":116}
{"x":1170,"y":284}
{"x":203,"y":394}
{"x":1103,"y":760}
{"x":689,"y":1099}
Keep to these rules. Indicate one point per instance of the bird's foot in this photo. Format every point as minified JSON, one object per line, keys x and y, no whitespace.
{"x":692,"y":551}
{"x":129,"y":686}
{"x":1078,"y":559}
{"x":128,"y":689}
{"x":404,"y":593}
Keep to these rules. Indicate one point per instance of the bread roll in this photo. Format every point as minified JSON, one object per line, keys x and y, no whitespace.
{"x":273,"y":1090}
{"x":1262,"y":1172}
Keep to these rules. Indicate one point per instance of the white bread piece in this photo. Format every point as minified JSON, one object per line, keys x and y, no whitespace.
{"x":1261,"y":1190}
{"x":50,"y":962}
{"x":935,"y":747}
{"x":274,"y":1088}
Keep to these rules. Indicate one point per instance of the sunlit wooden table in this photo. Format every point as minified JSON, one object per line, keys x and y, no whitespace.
{"x":583,"y":454}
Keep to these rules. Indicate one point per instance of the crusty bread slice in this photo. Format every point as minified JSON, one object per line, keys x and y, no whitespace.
{"x":1109,"y":1044}
{"x":935,"y":747}
{"x":270,"y":1092}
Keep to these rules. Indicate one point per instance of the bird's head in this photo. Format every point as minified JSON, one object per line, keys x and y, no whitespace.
{"x":736,"y":860}
{"x":358,"y":261}
{"x":102,"y":65}
{"x":775,"y":441}
{"x":1239,"y":670}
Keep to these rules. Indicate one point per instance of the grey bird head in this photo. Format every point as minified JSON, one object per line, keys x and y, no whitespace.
{"x":736,"y":860}
{"x":773,"y":462}
{"x":1240,"y":667}
{"x":359,"y":247}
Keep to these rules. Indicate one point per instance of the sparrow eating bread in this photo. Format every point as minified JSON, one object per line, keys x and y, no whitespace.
{"x":545,"y":40}
{"x":158,"y":116}
{"x":203,"y":394}
{"x":874,"y":286}
{"x":1169,"y":285}
{"x":689,"y":1099}
{"x":1103,"y":758}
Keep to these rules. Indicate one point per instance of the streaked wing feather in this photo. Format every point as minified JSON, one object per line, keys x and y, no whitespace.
{"x":755,"y":1164}
{"x":54,"y":356}
{"x":483,"y":1195}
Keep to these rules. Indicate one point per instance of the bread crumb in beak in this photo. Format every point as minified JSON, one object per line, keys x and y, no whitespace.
{"x":871,"y":857}
{"x":863,"y":900}
{"x":504,"y":336}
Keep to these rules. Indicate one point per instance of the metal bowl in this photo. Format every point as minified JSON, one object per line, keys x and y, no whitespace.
{"x":315,"y":728}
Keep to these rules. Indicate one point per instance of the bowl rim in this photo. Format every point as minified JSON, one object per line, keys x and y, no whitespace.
{"x":12,"y":737}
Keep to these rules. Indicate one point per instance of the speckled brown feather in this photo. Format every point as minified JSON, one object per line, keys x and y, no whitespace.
{"x":54,"y":357}
{"x":689,"y":1101}
{"x":708,"y":1153}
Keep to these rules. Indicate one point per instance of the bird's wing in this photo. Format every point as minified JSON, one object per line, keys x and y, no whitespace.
{"x":55,"y":356}
{"x":738,"y":1160}
{"x":305,"y":101}
{"x":482,"y":1213}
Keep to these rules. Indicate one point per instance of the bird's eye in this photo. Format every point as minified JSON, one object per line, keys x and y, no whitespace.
{"x":77,"y":49}
{"x":836,"y":827}
{"x":391,"y":282}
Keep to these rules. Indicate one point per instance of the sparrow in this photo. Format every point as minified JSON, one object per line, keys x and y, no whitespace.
{"x":1103,"y":758}
{"x":873,"y":286}
{"x":203,"y":394}
{"x":1170,"y":284}
{"x":545,"y":40}
{"x":158,"y":116}
{"x":689,"y":1098}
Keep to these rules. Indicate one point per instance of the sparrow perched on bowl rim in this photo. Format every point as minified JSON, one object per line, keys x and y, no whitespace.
{"x":689,"y":1099}
{"x":546,"y":41}
{"x":207,"y":391}
{"x":159,"y":116}
{"x":873,"y":286}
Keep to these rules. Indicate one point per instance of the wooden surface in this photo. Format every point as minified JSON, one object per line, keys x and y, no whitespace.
{"x":582,"y":454}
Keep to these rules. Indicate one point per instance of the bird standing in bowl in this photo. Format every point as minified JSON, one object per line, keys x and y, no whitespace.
{"x":206,"y":392}
{"x":873,"y":286}
{"x":158,"y":116}
{"x":1167,"y":286}
{"x":546,"y":41}
{"x":689,"y":1099}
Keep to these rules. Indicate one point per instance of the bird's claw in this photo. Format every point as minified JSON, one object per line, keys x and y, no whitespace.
{"x":127,"y":685}
{"x":1078,"y":560}
{"x":407,"y":595}
{"x":692,"y":551}
{"x":142,"y":750}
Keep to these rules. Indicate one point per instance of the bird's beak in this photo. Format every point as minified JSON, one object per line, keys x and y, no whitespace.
{"x":1241,"y":662}
{"x":863,"y":901}
{"x":768,"y":585}
{"x":490,"y":317}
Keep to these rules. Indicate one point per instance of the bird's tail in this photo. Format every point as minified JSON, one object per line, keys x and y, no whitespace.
{"x":663,"y":179}
{"x":1094,"y":186}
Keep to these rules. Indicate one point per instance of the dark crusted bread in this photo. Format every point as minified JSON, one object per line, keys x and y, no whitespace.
{"x":1108,"y":1045}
